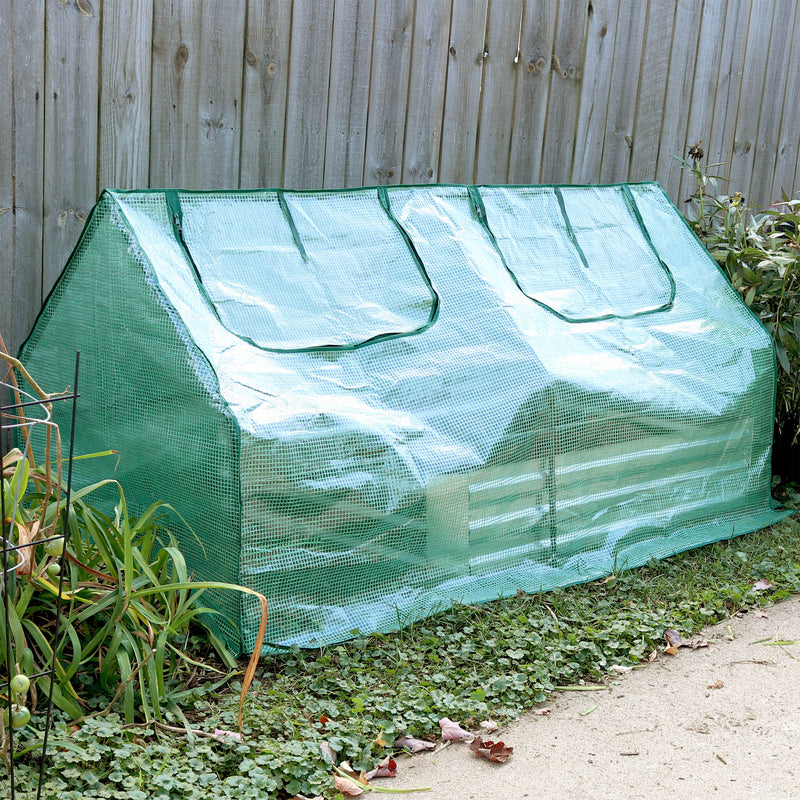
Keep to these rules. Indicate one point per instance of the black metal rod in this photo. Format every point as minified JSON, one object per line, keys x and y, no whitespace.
{"x":39,"y":402}
{"x":5,"y":576}
{"x":57,"y":631}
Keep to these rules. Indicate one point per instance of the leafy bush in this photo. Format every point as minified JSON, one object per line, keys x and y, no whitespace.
{"x":759,"y":251}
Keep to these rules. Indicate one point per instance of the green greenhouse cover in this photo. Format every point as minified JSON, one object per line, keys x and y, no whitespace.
{"x":370,"y":404}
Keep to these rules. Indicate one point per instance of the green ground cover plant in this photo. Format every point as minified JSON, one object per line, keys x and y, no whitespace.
{"x":469,"y":663}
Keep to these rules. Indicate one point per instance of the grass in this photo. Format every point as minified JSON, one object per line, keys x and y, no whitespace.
{"x":469,"y":663}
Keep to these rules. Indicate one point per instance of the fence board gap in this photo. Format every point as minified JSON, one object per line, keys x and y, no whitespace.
{"x":704,"y":88}
{"x":650,"y":107}
{"x":537,"y":60}
{"x":769,"y":118}
{"x":598,"y":64}
{"x":125,"y":95}
{"x":463,"y":91}
{"x":264,"y":90}
{"x":618,"y":137}
{"x":496,"y":118}
{"x":196,"y":96}
{"x":679,"y":91}
{"x":564,"y":96}
{"x":72,"y":83}
{"x":22,"y":59}
{"x":348,"y":100}
{"x":307,"y":101}
{"x":427,"y":82}
{"x":388,"y":91}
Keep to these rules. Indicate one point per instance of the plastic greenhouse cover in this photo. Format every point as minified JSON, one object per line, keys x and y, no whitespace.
{"x":432,"y":394}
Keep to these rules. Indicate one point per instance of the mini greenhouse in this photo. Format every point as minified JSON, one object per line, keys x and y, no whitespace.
{"x":369,"y":404}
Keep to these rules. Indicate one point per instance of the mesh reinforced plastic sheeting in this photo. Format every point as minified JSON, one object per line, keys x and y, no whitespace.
{"x":369,"y":404}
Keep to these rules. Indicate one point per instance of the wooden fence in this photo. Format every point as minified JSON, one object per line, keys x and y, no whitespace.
{"x":329,"y":93}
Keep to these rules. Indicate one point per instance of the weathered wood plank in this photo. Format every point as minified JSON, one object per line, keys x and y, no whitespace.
{"x":428,"y":80}
{"x":751,"y":95}
{"x":348,"y":98}
{"x":21,"y":166}
{"x":564,"y":97}
{"x":496,"y":121}
{"x":787,"y":166}
{"x":72,"y":82}
{"x":772,"y":105}
{"x":704,"y":87}
{"x":649,"y":121}
{"x":601,"y":31}
{"x":536,"y":61}
{"x":266,"y":75}
{"x":463,"y":91}
{"x":307,"y":101}
{"x":726,"y":97}
{"x":618,"y":137}
{"x":682,"y":62}
{"x":196,"y":93}
{"x":388,"y":91}
{"x":125,"y":94}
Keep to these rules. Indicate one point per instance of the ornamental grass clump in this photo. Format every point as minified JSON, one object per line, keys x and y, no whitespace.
{"x":103,"y":600}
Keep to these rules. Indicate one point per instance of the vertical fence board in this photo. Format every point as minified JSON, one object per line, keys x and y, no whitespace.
{"x":70,"y":146}
{"x":618,"y":138}
{"x":601,"y":29}
{"x":536,"y":60}
{"x":769,"y":120}
{"x":196,"y":94}
{"x":496,"y":120}
{"x":427,"y":82}
{"x":649,"y":122}
{"x":266,"y":73}
{"x":704,"y":87}
{"x":307,"y":103}
{"x":564,"y":97}
{"x":751,"y":95}
{"x":786,"y":157}
{"x":351,"y":55}
{"x":726,"y":98}
{"x":388,"y":91}
{"x":21,"y":167}
{"x":125,"y":95}
{"x":463,"y":91}
{"x":679,"y":92}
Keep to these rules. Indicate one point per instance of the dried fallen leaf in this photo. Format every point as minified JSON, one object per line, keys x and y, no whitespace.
{"x":620,"y":669}
{"x":653,"y":656}
{"x":489,"y":725}
{"x":413,"y":745}
{"x":674,"y":641}
{"x":762,"y":615}
{"x":715,"y":685}
{"x":761,"y":585}
{"x":379,"y":740}
{"x":328,"y":753}
{"x":386,"y":769}
{"x":452,"y":731}
{"x":347,"y":787}
{"x":694,"y":642}
{"x":221,"y":734}
{"x":491,"y":751}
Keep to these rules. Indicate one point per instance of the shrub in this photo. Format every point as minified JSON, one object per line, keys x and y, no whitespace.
{"x":759,"y":251}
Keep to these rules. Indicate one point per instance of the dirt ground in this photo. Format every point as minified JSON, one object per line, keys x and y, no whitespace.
{"x":719,"y":721}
